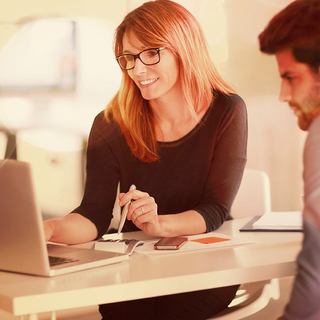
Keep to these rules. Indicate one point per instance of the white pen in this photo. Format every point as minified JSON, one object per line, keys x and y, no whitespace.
{"x":125,"y":211}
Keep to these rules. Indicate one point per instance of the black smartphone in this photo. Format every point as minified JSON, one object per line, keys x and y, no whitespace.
{"x":173,"y":243}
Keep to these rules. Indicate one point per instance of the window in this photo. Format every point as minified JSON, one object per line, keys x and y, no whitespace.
{"x":41,"y":57}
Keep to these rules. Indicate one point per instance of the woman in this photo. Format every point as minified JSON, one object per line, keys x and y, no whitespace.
{"x":178,"y":132}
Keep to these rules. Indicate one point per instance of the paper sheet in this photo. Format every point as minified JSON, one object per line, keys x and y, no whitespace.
{"x":196,"y":242}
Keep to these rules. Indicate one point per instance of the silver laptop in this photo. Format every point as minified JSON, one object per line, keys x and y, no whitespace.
{"x":22,"y":241}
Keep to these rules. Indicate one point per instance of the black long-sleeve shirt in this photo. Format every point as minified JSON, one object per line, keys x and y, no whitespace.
{"x":201,"y":171}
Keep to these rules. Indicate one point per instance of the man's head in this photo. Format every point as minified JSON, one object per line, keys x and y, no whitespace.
{"x":293,"y":35}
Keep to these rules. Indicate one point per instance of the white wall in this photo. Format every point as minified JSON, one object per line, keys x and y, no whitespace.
{"x":231,"y":27}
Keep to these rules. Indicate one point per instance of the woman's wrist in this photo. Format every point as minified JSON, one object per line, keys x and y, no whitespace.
{"x":164,"y":226}
{"x":48,"y":229}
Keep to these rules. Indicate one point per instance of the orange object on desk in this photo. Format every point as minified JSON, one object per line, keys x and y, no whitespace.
{"x":210,"y":240}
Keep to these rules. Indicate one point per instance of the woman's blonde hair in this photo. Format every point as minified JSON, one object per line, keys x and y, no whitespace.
{"x":163,"y":23}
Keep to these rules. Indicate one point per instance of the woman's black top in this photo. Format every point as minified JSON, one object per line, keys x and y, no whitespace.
{"x":201,"y":171}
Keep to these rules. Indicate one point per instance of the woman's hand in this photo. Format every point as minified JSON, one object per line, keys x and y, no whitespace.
{"x":143,"y":211}
{"x":70,"y":229}
{"x":47,"y":230}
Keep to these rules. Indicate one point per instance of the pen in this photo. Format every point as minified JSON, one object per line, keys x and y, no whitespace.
{"x":125,"y":211}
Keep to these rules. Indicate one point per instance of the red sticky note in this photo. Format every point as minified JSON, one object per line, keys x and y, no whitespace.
{"x":210,"y":240}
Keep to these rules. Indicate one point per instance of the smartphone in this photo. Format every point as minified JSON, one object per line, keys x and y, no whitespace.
{"x":173,"y":243}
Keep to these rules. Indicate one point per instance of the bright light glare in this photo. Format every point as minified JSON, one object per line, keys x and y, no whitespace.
{"x":36,"y":56}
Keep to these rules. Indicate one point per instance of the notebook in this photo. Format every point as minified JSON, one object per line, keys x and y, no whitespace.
{"x":275,"y":221}
{"x":23,"y":248}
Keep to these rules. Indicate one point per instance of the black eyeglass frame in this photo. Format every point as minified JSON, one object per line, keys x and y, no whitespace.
{"x":137,"y":56}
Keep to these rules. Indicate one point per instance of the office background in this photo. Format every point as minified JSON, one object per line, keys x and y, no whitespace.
{"x":57,"y":71}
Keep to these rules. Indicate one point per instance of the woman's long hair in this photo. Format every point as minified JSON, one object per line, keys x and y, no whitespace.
{"x":163,"y":23}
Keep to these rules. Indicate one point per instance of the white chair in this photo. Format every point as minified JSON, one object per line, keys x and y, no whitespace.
{"x":56,"y":159}
{"x":254,"y":195}
{"x":253,"y":198}
{"x":3,"y":144}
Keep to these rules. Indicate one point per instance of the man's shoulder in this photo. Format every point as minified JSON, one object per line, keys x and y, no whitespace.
{"x":315,"y":125}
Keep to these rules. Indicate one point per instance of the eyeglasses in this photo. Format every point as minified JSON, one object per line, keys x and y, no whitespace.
{"x":148,"y":57}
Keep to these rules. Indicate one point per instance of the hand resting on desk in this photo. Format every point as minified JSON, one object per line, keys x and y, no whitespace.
{"x":66,"y":230}
{"x":143,"y":212}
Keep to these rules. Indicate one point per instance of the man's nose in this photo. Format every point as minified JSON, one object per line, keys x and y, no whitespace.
{"x":285,"y":92}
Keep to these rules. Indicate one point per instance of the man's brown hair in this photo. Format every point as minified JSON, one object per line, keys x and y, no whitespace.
{"x":296,"y":27}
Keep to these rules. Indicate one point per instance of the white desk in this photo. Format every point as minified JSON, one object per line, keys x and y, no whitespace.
{"x":147,"y":276}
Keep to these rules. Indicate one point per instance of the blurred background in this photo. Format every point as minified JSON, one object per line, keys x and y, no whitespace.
{"x":57,"y":71}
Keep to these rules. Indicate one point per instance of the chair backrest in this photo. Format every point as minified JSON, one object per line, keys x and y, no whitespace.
{"x":3,"y":144}
{"x":254,"y":195}
{"x":56,"y":158}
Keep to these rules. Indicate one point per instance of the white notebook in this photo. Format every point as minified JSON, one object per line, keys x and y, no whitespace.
{"x":284,"y":220}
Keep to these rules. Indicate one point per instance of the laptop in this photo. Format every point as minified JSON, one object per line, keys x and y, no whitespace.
{"x":23,"y":248}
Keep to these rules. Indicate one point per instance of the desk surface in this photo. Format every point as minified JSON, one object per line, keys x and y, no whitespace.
{"x":147,"y":276}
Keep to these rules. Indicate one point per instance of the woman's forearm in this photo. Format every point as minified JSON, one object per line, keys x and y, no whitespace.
{"x":71,"y":229}
{"x":185,"y":223}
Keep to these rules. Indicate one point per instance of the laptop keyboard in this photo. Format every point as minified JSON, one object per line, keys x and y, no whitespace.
{"x":55,"y":261}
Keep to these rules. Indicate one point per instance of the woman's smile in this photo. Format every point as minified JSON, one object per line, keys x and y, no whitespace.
{"x":147,"y":83}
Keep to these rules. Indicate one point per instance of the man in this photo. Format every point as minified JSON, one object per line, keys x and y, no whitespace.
{"x":293,"y":36}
